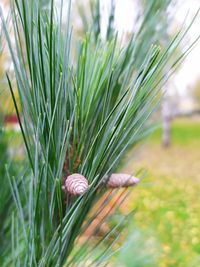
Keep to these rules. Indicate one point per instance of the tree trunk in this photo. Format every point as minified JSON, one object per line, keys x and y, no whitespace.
{"x":166,"y":122}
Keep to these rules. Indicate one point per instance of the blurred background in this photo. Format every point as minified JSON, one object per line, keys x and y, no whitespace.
{"x":166,"y":223}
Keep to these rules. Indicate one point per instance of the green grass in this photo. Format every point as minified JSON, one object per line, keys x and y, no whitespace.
{"x":183,"y":132}
{"x":168,"y":198}
{"x":13,"y":138}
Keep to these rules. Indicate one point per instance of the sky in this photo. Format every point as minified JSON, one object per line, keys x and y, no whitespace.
{"x":190,"y":70}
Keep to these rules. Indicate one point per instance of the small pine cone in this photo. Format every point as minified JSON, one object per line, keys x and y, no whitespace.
{"x":76,"y":184}
{"x":117,"y":180}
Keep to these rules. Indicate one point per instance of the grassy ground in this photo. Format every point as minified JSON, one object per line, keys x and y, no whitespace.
{"x":168,"y":199}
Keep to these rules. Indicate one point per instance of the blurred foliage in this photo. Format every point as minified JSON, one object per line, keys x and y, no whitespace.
{"x":4,"y":193}
{"x":139,"y":249}
{"x":7,"y":107}
{"x":167,"y":201}
{"x":6,"y":203}
{"x":157,"y":33}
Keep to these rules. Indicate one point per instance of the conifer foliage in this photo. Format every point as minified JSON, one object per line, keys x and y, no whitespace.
{"x":79,"y":116}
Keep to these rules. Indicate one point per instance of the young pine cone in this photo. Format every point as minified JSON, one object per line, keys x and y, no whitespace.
{"x":117,"y":180}
{"x":76,"y":184}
